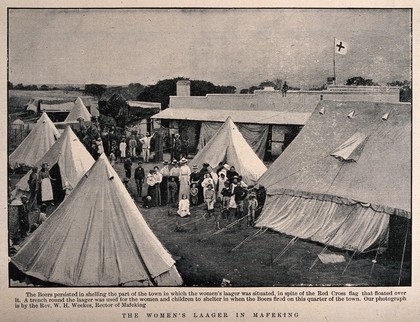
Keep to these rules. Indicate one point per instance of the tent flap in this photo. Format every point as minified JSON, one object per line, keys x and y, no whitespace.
{"x":254,"y":134}
{"x":228,"y":145}
{"x":351,"y":227}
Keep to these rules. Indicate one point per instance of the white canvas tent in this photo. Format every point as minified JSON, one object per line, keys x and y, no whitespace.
{"x":71,"y":156}
{"x":97,"y":237}
{"x":343,"y":176}
{"x":79,"y":111}
{"x":36,"y":144}
{"x":229,"y":146}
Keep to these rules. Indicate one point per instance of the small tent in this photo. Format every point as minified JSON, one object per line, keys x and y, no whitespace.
{"x":97,"y":237}
{"x":36,"y":144}
{"x":228,"y":145}
{"x":343,"y":176}
{"x":79,"y":111}
{"x":71,"y":157}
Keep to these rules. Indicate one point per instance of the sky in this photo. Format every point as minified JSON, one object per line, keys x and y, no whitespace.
{"x":238,"y":47}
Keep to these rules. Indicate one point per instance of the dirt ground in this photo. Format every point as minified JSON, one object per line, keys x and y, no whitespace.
{"x":205,"y":256}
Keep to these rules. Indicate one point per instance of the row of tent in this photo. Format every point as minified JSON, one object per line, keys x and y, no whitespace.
{"x":43,"y":136}
{"x":337,"y":183}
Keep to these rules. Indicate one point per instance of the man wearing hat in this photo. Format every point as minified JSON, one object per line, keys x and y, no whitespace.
{"x":165,"y":172}
{"x":132,"y":144}
{"x":139,"y":177}
{"x":176,"y":152}
{"x":146,"y":143}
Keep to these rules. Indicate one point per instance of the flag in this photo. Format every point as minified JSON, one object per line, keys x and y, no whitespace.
{"x":340,"y":47}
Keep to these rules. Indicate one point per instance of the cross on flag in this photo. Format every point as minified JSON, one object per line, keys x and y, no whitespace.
{"x":340,"y":47}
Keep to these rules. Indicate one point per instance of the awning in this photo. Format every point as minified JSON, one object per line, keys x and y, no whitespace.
{"x":238,"y":116}
{"x":140,"y":104}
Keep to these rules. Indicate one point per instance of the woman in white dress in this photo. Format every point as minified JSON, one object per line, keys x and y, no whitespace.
{"x":184,"y":206}
{"x":46,"y":187}
{"x":184,"y":178}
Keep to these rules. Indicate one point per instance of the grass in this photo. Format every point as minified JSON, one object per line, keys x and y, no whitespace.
{"x":205,"y":259}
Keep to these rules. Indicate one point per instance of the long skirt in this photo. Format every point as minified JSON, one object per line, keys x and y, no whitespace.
{"x":46,"y":190}
{"x":184,"y":188}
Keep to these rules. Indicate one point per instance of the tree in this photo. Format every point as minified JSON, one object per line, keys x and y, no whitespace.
{"x":360,"y":81}
{"x":9,"y":85}
{"x":161,"y":91}
{"x":244,"y":91}
{"x":135,"y":89}
{"x":44,"y":88}
{"x":95,"y":89}
{"x":405,"y":89}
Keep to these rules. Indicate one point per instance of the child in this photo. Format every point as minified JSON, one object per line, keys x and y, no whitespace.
{"x":217,"y":212}
{"x":252,"y":207}
{"x":147,"y":201}
{"x":194,"y":194}
{"x":184,"y":206}
{"x":42,"y":214}
{"x":210,"y":198}
{"x":112,"y":158}
{"x":173,"y":190}
{"x":226,"y":194}
{"x":206,"y":181}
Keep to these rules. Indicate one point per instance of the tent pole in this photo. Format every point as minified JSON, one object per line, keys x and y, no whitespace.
{"x":351,"y":258}
{"x":374,"y":261}
{"x":403,"y":253}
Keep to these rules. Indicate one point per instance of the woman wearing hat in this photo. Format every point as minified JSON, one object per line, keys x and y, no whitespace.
{"x":151,"y":182}
{"x":174,"y":173}
{"x":184,"y":178}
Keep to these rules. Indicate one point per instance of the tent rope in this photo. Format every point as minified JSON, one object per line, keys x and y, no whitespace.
{"x":351,"y":258}
{"x":227,"y":227}
{"x":249,"y":238}
{"x":285,"y":249}
{"x":191,"y":222}
{"x":317,"y":258}
{"x":403,"y":253}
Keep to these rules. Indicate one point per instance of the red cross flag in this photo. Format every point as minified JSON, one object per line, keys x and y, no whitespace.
{"x":340,"y":47}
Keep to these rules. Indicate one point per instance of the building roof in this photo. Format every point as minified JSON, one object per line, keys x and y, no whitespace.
{"x":218,"y":115}
{"x":140,"y":104}
{"x":267,"y":106}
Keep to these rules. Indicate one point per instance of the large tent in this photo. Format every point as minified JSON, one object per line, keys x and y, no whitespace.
{"x":228,"y":145}
{"x":36,"y":144}
{"x":79,"y":111}
{"x":343,"y":176}
{"x":97,"y":237}
{"x":71,"y":156}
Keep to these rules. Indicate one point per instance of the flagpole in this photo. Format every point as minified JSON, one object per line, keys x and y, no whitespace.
{"x":335,"y":81}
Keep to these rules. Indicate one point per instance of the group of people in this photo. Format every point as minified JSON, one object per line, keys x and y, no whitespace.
{"x":131,"y":149}
{"x":222,"y":190}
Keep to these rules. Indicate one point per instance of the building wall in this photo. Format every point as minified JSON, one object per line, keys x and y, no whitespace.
{"x":296,"y":101}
